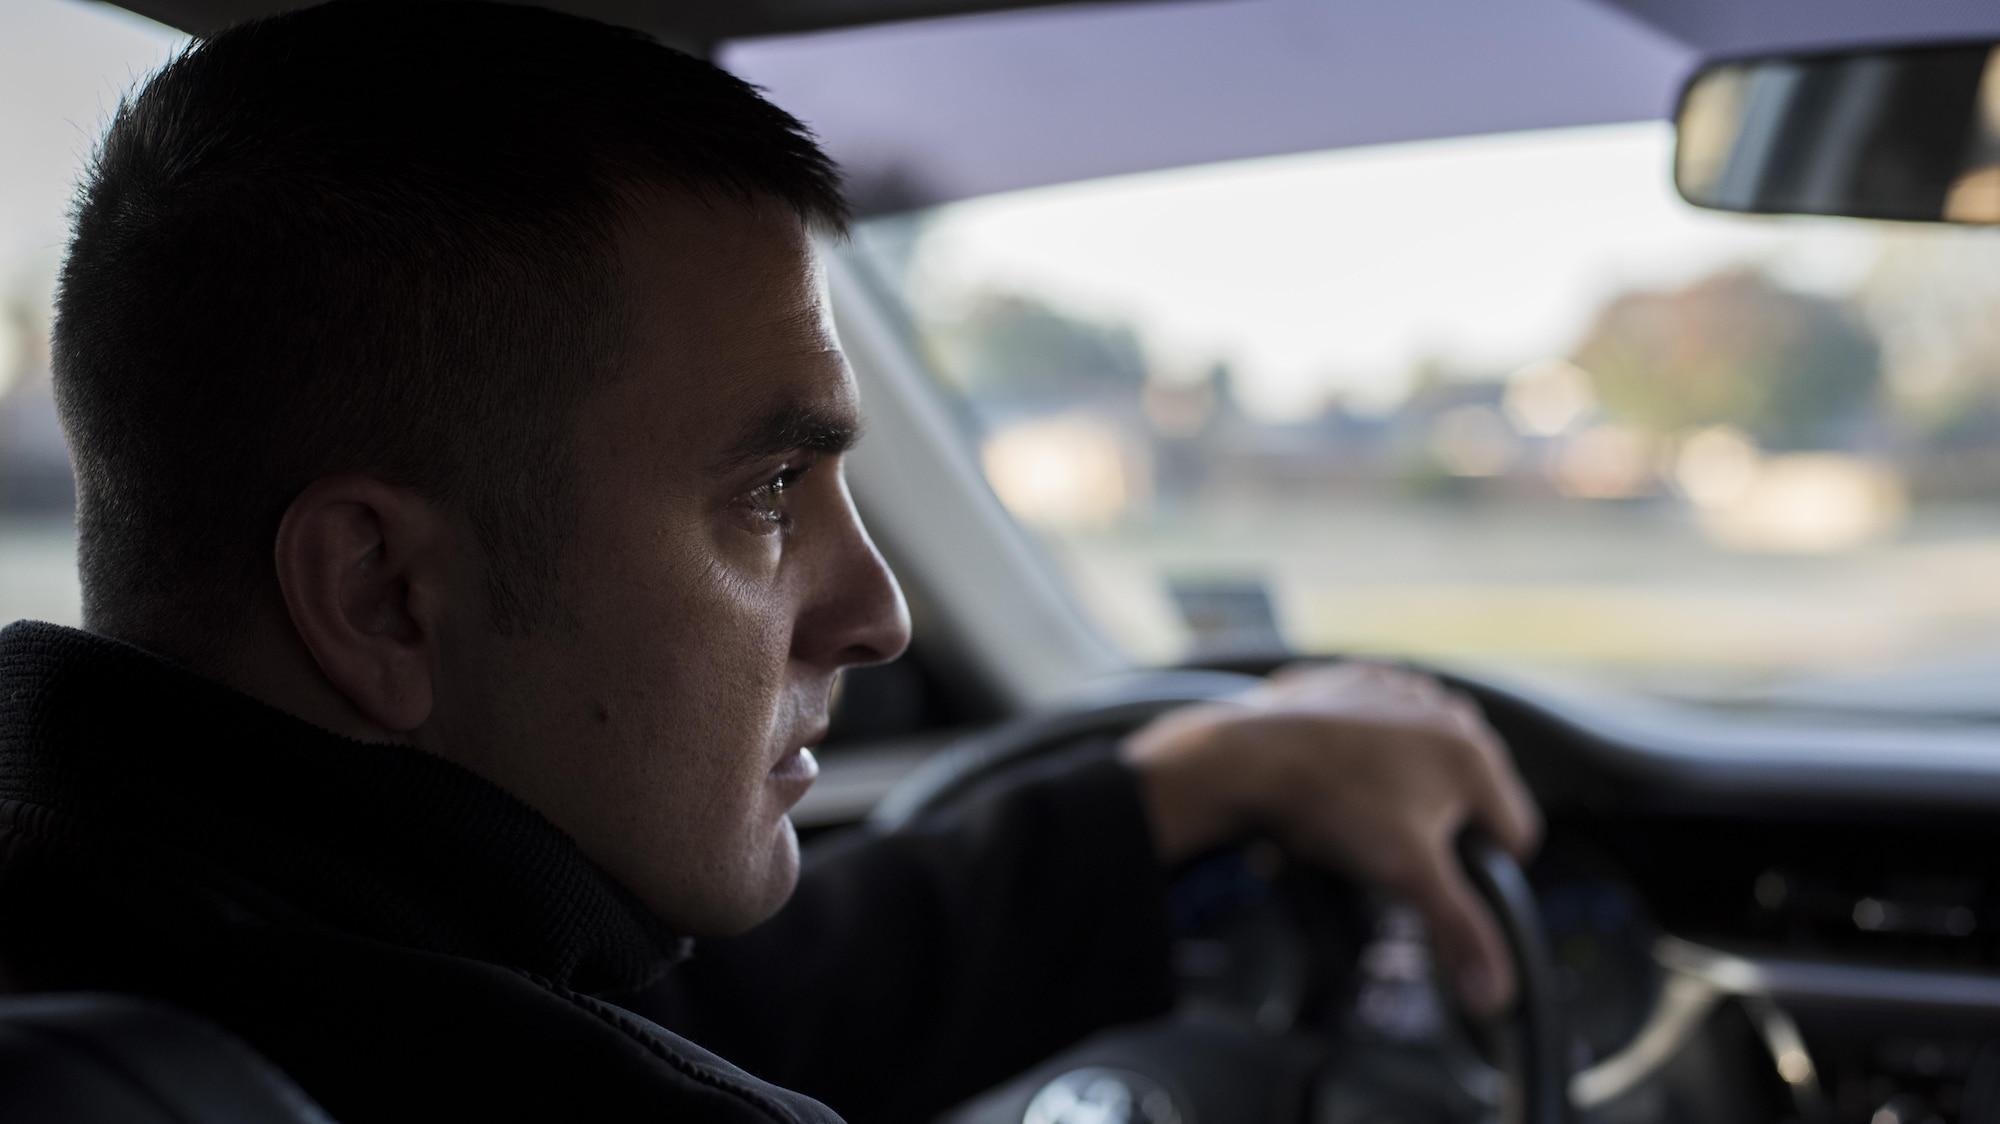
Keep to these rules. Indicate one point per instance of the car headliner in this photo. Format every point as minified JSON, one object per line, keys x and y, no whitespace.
{"x":928,"y":110}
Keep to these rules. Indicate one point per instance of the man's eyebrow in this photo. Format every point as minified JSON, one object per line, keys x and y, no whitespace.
{"x":800,"y":427}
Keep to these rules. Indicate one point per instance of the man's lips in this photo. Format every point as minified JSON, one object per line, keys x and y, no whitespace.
{"x":798,"y":765}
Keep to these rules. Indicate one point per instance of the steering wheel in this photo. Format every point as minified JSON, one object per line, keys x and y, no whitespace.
{"x":1196,"y":1074}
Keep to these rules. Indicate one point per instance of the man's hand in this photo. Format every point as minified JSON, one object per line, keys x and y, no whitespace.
{"x":1368,"y":769}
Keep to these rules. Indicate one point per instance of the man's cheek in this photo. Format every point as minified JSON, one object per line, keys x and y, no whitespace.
{"x":752,"y":616}
{"x":737,"y":555}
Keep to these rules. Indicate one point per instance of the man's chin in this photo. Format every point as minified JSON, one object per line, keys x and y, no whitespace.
{"x":783,"y":869}
{"x":758,"y":894}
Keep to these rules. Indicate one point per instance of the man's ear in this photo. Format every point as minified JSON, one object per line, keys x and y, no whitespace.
{"x":362,"y":567}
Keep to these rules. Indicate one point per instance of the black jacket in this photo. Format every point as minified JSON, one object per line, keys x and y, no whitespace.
{"x":413,"y":943}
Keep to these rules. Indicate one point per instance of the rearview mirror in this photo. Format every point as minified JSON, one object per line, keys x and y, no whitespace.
{"x":1909,"y":134}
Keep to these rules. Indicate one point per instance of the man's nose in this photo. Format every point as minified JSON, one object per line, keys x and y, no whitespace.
{"x":856,"y":614}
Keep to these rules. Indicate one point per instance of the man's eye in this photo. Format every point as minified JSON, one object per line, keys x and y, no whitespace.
{"x":767,"y":500}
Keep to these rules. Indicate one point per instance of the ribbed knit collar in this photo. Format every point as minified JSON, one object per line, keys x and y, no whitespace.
{"x":380,"y":841}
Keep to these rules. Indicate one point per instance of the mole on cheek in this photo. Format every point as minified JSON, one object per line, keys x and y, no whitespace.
{"x":600,"y":713}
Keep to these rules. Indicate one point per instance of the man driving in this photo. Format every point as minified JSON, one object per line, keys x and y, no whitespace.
{"x":467,"y":567}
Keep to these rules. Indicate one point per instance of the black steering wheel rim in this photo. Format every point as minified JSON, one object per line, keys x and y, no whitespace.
{"x":1536,"y":1029}
{"x":958,"y":768}
{"x":1533,"y":1028}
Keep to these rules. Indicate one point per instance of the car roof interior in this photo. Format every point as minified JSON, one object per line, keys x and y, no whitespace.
{"x":923,"y":111}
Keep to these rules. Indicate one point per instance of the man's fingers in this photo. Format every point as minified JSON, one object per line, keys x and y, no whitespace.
{"x":1500,"y":802}
{"x":1472,"y":956}
{"x":1317,"y":678}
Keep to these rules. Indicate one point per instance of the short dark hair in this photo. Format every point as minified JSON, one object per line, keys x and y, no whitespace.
{"x":371,"y":236}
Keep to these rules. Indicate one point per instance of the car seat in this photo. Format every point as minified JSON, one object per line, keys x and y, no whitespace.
{"x":91,"y":1058}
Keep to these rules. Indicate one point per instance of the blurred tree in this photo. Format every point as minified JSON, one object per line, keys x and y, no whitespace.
{"x":1933,"y":294}
{"x":1795,"y":371}
{"x":1017,"y":349}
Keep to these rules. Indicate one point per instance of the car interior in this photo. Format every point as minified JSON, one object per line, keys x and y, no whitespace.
{"x":1629,"y":364}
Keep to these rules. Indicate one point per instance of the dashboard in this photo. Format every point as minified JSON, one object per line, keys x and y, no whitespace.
{"x":1770,"y":934}
{"x":1854,"y":954}
{"x":1740,"y":936}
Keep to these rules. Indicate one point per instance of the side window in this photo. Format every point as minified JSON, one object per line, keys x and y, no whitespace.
{"x":63,"y":65}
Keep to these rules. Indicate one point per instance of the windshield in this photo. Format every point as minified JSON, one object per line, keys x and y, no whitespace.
{"x":1501,"y":402}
